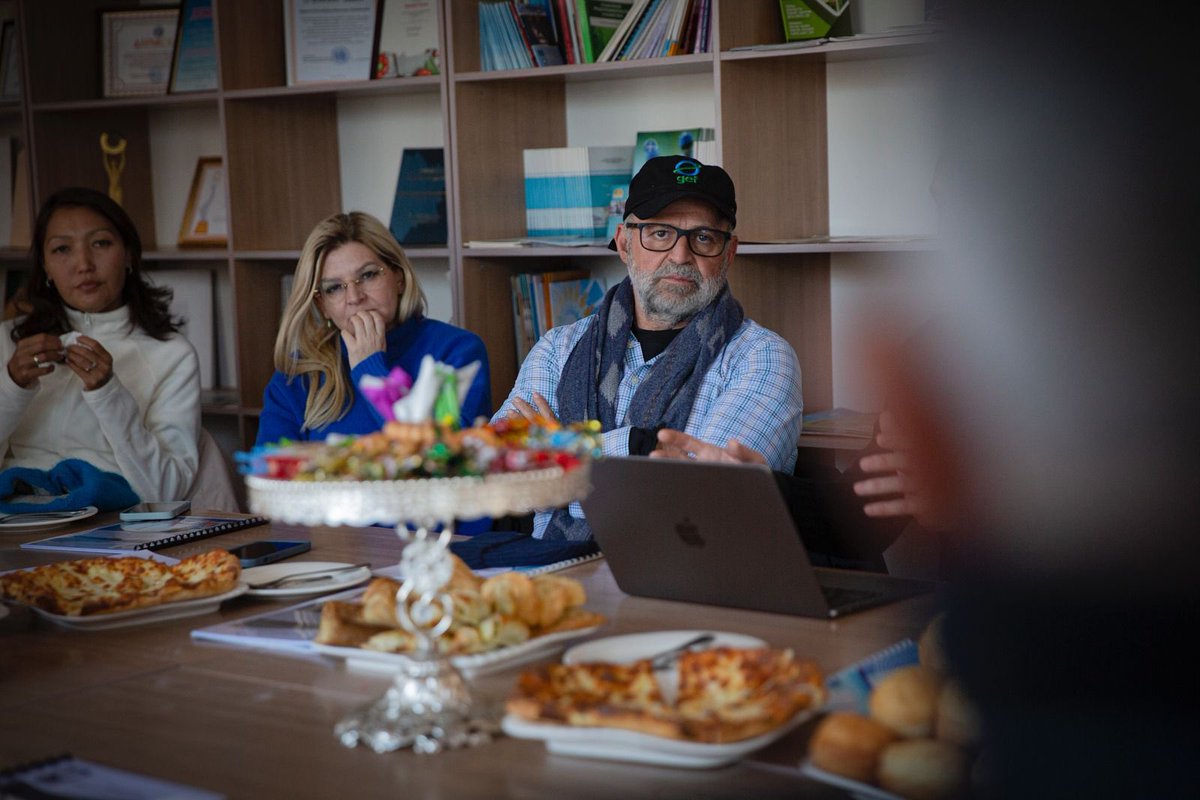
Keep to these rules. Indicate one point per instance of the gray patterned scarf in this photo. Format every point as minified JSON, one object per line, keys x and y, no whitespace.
{"x":593,"y":372}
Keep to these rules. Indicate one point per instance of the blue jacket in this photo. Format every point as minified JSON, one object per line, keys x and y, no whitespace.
{"x":284,"y":399}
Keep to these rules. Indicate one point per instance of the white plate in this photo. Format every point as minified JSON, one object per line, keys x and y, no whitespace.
{"x":143,"y":616}
{"x":270,"y":572}
{"x":16,"y":525}
{"x":469,"y":666}
{"x":856,"y":788}
{"x":613,"y":744}
{"x":634,"y":646}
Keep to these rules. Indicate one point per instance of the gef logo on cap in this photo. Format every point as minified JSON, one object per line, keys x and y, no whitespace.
{"x":687,"y":171}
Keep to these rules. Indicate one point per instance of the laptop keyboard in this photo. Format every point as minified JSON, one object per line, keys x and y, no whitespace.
{"x":837,"y":597}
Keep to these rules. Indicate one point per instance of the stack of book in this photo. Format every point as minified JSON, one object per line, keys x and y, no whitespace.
{"x":840,"y":422}
{"x":660,"y":28}
{"x":568,"y":189}
{"x":545,"y":300}
{"x":515,"y":35}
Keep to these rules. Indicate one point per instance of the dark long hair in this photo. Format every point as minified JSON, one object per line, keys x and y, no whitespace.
{"x":149,"y":305}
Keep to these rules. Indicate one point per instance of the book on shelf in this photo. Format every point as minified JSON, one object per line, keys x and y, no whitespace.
{"x":502,"y":45}
{"x":192,"y":301}
{"x":131,"y":537}
{"x":598,"y":20}
{"x":21,"y":229}
{"x":678,"y":142}
{"x":568,"y":31}
{"x":406,"y":39}
{"x":646,"y":40}
{"x":537,"y":27}
{"x":815,"y":19}
{"x":624,"y":30}
{"x":538,"y":241}
{"x":419,"y":208}
{"x":546,"y":300}
{"x":840,"y":422}
{"x":568,"y":189}
{"x":6,"y":193}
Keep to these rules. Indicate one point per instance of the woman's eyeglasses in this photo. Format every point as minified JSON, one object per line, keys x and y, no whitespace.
{"x":335,"y":291}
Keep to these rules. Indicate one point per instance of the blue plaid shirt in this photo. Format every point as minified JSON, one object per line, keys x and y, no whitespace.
{"x":751,"y":393}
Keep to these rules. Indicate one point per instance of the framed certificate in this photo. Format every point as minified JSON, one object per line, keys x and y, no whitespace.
{"x":195,"y":66}
{"x":329,"y":41}
{"x":205,"y":221}
{"x":136,"y":48}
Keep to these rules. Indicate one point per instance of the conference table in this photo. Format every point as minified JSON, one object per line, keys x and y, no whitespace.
{"x":253,"y":724}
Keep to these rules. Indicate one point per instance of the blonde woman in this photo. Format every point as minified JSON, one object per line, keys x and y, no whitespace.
{"x":356,"y":309}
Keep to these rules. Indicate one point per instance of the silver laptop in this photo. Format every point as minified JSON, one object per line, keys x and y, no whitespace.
{"x":718,"y":534}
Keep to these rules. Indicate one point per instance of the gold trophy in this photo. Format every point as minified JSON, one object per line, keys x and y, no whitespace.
{"x":114,"y":165}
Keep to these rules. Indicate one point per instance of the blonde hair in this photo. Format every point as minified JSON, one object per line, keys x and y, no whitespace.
{"x":307,"y":345}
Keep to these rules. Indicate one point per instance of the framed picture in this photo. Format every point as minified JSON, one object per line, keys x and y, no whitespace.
{"x":328,"y":41}
{"x":195,"y":66}
{"x":205,"y":221}
{"x":137,"y":48}
{"x":10,"y":62}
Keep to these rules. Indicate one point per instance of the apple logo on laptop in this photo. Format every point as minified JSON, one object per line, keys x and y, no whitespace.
{"x":688,"y":533}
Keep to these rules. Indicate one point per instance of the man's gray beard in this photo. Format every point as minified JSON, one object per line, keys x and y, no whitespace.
{"x":664,"y":304}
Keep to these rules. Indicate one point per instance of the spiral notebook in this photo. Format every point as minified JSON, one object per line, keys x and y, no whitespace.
{"x":130,"y":537}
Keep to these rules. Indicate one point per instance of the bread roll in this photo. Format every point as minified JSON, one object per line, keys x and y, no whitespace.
{"x":929,"y":647}
{"x":923,"y":769}
{"x":849,"y":744}
{"x":957,"y":718}
{"x":906,"y":701}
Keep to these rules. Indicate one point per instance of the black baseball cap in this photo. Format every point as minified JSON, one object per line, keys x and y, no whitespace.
{"x":665,"y":179}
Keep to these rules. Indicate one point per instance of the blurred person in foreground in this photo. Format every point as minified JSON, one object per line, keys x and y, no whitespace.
{"x":1062,"y":399}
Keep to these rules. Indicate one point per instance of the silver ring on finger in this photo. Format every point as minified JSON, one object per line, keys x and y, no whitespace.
{"x":37,"y":360}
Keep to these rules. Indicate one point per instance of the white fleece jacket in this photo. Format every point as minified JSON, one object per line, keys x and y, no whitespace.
{"x":143,"y":424}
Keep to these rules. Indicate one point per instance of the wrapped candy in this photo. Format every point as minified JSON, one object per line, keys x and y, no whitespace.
{"x":384,"y":392}
{"x":436,"y":395}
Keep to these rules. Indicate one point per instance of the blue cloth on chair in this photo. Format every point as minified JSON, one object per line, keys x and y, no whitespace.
{"x":69,"y":485}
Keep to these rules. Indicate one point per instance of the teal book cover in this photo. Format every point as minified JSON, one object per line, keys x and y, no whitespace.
{"x":419,"y":210}
{"x":681,"y":142}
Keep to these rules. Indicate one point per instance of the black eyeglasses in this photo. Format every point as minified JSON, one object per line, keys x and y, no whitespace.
{"x":660,"y":237}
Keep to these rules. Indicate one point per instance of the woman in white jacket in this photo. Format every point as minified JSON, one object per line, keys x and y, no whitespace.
{"x":96,"y":370}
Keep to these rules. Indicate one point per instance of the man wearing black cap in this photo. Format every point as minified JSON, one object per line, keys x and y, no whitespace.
{"x":669,"y":347}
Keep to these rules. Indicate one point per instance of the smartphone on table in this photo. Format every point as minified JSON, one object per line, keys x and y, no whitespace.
{"x":146,"y":511}
{"x":255,"y":554}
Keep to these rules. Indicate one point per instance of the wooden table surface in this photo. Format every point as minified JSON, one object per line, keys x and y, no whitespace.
{"x":252,"y":724}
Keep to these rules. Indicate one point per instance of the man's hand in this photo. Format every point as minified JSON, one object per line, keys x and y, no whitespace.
{"x":539,"y":409}
{"x":365,"y":334}
{"x":899,"y":476}
{"x":677,"y":444}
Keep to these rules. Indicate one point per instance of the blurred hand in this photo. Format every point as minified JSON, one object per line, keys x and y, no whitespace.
{"x":540,"y":408}
{"x":897,"y":475}
{"x":365,"y":334}
{"x":677,"y":444}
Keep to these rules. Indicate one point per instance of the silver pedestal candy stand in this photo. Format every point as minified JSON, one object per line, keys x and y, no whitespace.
{"x":429,"y":706}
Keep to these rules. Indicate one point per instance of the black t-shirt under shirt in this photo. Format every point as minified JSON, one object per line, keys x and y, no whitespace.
{"x":643,"y":441}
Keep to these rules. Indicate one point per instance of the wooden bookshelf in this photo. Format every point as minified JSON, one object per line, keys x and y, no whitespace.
{"x":284,"y":167}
